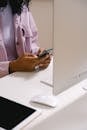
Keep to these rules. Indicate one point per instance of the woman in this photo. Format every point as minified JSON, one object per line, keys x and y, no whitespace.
{"x":18,"y":39}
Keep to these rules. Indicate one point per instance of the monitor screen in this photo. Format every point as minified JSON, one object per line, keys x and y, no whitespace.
{"x":70,"y":44}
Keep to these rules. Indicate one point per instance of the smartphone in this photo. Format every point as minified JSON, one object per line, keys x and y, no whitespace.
{"x":45,"y":52}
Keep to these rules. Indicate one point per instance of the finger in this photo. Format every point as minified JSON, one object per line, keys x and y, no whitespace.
{"x":44,"y":58}
{"x":30,"y":55}
{"x":31,"y":59}
{"x":43,"y":66}
{"x":40,"y":51}
{"x":46,"y":62}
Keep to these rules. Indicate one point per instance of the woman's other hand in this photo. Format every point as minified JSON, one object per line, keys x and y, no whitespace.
{"x":40,"y":51}
{"x":47,"y":58}
{"x":44,"y":61}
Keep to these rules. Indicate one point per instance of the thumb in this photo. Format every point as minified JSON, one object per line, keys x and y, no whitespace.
{"x":30,"y":55}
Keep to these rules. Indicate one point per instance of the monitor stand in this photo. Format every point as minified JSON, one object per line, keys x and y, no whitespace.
{"x":48,"y":100}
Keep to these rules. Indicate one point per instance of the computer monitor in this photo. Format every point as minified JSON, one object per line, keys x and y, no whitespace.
{"x":70,"y":44}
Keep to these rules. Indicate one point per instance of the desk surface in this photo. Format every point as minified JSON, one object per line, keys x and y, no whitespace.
{"x":21,"y":87}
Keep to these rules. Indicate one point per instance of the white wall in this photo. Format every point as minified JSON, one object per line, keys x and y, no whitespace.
{"x":42,"y":11}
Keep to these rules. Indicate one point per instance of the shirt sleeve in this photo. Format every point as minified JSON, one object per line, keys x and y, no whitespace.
{"x":4,"y":68}
{"x":34,"y":39}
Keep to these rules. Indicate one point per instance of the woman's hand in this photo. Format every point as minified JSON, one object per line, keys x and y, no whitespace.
{"x":40,"y":51}
{"x":46,"y":62}
{"x":27,"y":63}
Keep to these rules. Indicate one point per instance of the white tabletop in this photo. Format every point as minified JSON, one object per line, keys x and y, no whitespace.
{"x":21,"y":87}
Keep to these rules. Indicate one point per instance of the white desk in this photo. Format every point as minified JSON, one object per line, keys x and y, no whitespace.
{"x":20,"y":87}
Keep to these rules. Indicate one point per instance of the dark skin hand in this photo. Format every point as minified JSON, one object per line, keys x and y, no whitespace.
{"x":27,"y":63}
{"x":47,"y":61}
